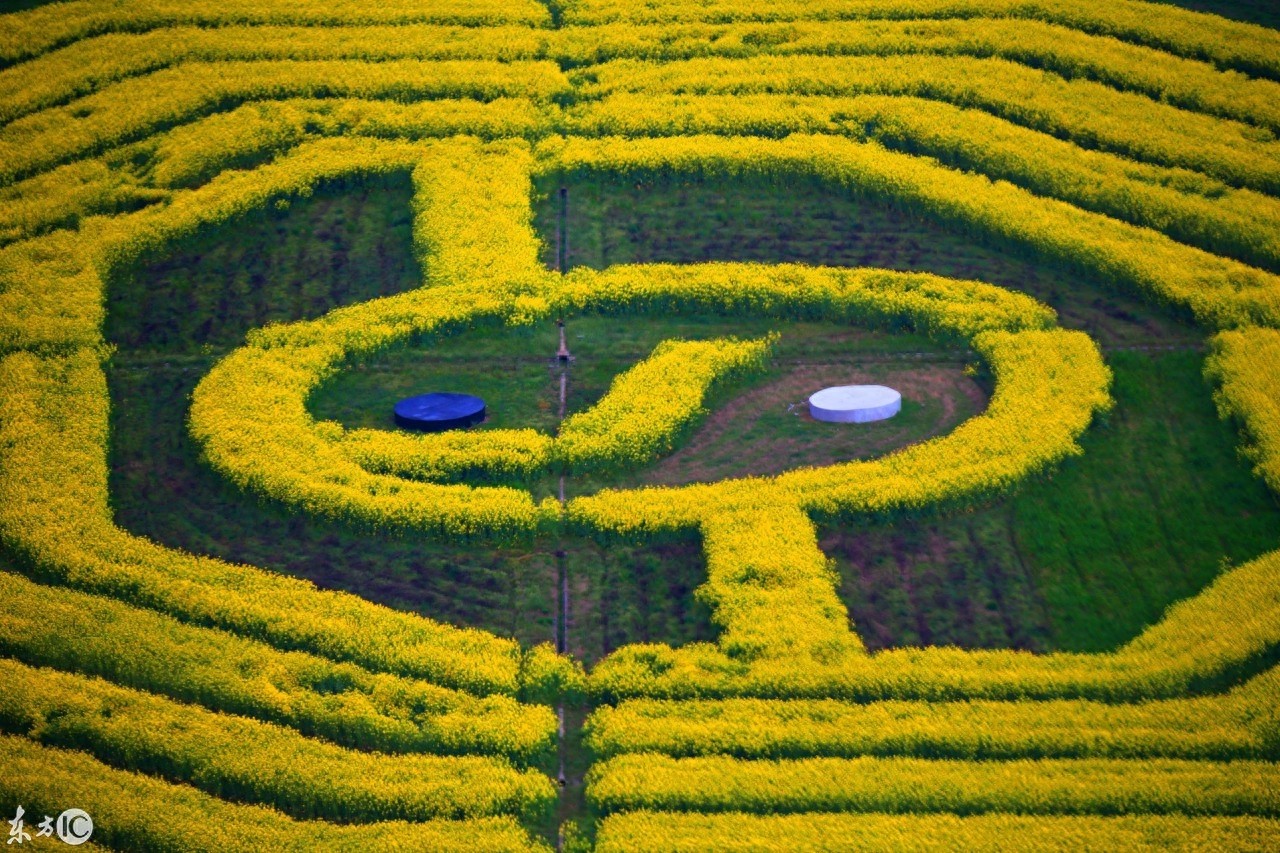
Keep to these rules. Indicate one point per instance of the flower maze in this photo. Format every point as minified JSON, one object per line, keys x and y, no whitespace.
{"x":1132,"y":142}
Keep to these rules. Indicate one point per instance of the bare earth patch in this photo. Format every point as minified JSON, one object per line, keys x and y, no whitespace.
{"x":767,"y":430}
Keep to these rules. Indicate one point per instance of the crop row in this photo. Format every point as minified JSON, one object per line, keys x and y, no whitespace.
{"x":136,"y":812}
{"x":501,"y":454}
{"x":192,"y":154}
{"x":1239,"y":724}
{"x":473,"y":221}
{"x":820,"y":833}
{"x":1223,"y":42}
{"x":771,"y":591}
{"x":35,"y":31}
{"x":1088,"y":113}
{"x":60,"y":198}
{"x":242,"y":759}
{"x":899,"y":785}
{"x":86,"y":66}
{"x":69,"y":630}
{"x":1187,"y":206}
{"x":949,"y":310}
{"x":134,"y":108}
{"x":1246,"y":365}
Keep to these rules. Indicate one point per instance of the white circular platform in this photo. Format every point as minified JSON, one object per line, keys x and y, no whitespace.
{"x":857,"y":404}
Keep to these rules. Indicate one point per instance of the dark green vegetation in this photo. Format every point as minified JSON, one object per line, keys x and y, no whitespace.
{"x":19,"y":5}
{"x":1080,"y":561}
{"x":1264,"y":12}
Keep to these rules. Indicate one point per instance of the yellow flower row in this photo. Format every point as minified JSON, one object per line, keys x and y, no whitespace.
{"x":1238,"y":724}
{"x":88,"y":65}
{"x":135,"y":812}
{"x":194,"y":153}
{"x":1246,"y":365}
{"x":504,"y":454}
{"x":143,"y":105}
{"x":1088,"y":113}
{"x":1225,"y":42}
{"x":32,"y":32}
{"x":242,"y":759}
{"x":633,"y":832}
{"x":1045,"y":786}
{"x":340,"y":702}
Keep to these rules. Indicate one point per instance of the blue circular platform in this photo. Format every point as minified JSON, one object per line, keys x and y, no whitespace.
{"x":439,"y":411}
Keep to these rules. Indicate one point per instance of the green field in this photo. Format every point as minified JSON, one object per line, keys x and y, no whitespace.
{"x":1006,"y":575}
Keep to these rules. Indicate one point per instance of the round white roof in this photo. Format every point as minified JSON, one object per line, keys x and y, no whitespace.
{"x":855,"y":403}
{"x":851,"y":397}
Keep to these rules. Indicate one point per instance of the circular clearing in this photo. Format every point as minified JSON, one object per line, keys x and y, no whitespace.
{"x":439,"y":411}
{"x":855,"y":404}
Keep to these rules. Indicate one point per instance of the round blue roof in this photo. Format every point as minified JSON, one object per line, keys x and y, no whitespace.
{"x":439,"y":410}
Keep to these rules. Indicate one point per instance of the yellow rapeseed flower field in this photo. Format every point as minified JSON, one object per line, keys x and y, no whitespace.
{"x":1135,"y":142}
